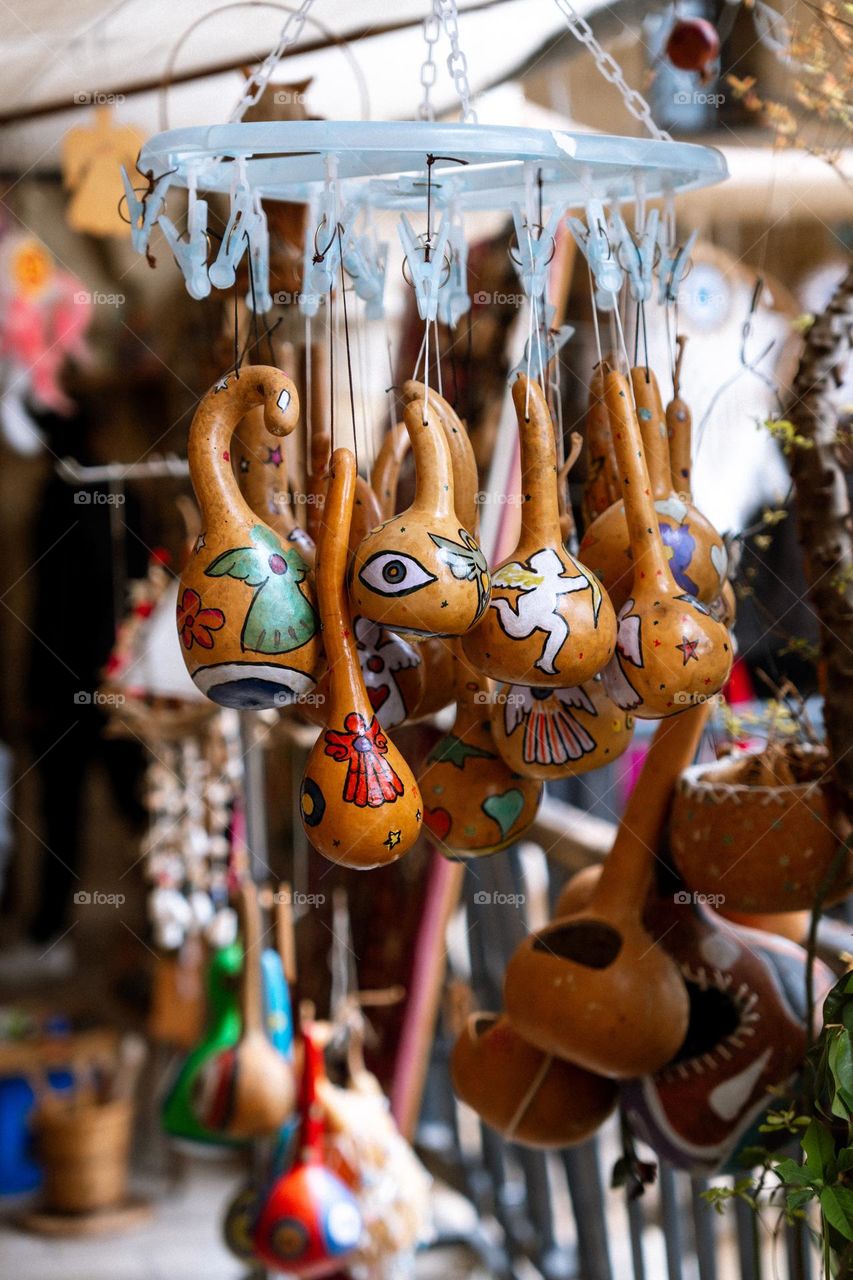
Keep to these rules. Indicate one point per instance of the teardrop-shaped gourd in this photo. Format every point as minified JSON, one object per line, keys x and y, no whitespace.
{"x":360,"y":804}
{"x":548,"y":620}
{"x":261,"y":469}
{"x":670,"y":651}
{"x":247,"y":1091}
{"x":555,"y":733}
{"x":391,"y":668}
{"x":246,"y":616}
{"x":474,"y":803}
{"x":601,"y":486}
{"x":595,"y":987}
{"x":528,"y":1096}
{"x":422,"y":573}
{"x":695,"y":551}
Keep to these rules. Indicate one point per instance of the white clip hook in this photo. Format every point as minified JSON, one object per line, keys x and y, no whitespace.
{"x":535,"y":252}
{"x":365,"y":261}
{"x":426,"y":264}
{"x":454,"y":301}
{"x":674,"y":258}
{"x":143,"y":213}
{"x":594,"y":243}
{"x":541,"y":347}
{"x":259,"y":298}
{"x":636,"y":253}
{"x":237,"y":237}
{"x":191,"y":253}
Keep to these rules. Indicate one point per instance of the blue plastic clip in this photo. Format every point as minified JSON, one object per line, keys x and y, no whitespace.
{"x":237,"y":237}
{"x":145,"y":212}
{"x":534,"y":252}
{"x":190,"y":253}
{"x":454,"y":300}
{"x":259,"y":298}
{"x":426,"y":271}
{"x":593,"y":240}
{"x":365,"y":261}
{"x":673,"y":264}
{"x":636,"y":253}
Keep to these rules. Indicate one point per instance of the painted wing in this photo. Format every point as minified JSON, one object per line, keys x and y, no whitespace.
{"x":514,"y":576}
{"x":244,"y":563}
{"x":576,"y":697}
{"x":459,"y":559}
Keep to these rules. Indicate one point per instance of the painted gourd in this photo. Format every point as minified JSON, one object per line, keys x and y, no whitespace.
{"x":528,"y":1096}
{"x":316,"y":480}
{"x":421,"y":573}
{"x":762,"y":843}
{"x":594,"y":987}
{"x":247,"y":1091}
{"x":745,"y":1042}
{"x":246,"y":616}
{"x":679,"y":432}
{"x":221,"y":1032}
{"x":474,"y":803}
{"x":309,"y":1223}
{"x":670,"y":651}
{"x":601,"y":486}
{"x":548,"y":620}
{"x":392,"y":669}
{"x":359,"y":801}
{"x":793,"y":925}
{"x":385,"y":474}
{"x":261,"y":469}
{"x":555,"y":733}
{"x":694,"y":549}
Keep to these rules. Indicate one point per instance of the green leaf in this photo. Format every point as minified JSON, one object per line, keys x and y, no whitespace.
{"x":840,"y":1064}
{"x":837,"y":1205}
{"x":799,"y":1198}
{"x":791,"y":1173}
{"x":820,"y":1152}
{"x":844,"y":1160}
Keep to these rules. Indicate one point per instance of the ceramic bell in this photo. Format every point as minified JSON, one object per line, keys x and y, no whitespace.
{"x":755,"y":833}
{"x":392,"y":669}
{"x":474,"y":803}
{"x":421,"y":573}
{"x":594,"y":987}
{"x":261,"y":470}
{"x":359,"y":801}
{"x":555,"y":733}
{"x":548,"y":620}
{"x":670,"y":652}
{"x":528,"y":1096}
{"x":246,"y":618}
{"x":695,"y":552}
{"x":745,"y":1041}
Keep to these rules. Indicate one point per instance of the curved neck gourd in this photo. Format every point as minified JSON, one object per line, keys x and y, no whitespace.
{"x":651,"y":567}
{"x":332,"y":554}
{"x":652,"y":423}
{"x":385,"y":475}
{"x":263,"y":485}
{"x":462,"y":461}
{"x":540,"y":511}
{"x":627,"y":872}
{"x":209,"y":449}
{"x":434,"y":494}
{"x":251,"y":997}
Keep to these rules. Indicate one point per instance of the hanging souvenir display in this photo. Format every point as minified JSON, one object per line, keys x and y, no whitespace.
{"x":44,"y":315}
{"x":548,"y":622}
{"x":694,"y":549}
{"x":595,"y":988}
{"x":669,"y":650}
{"x":421,"y":573}
{"x":360,"y":804}
{"x":246,"y":1091}
{"x":756,"y":829}
{"x":530,"y":1097}
{"x":474,"y":803}
{"x":246,"y":619}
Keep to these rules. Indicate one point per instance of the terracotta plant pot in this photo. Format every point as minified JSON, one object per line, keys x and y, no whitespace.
{"x":557,"y":733}
{"x":246,"y":618}
{"x":548,"y":622}
{"x":594,"y":987}
{"x":758,"y":842}
{"x":528,"y":1096}
{"x":474,"y":803}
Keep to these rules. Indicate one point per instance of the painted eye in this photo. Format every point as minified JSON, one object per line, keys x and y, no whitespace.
{"x":393,"y":574}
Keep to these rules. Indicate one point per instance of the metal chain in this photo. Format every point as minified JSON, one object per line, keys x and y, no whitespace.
{"x":258,"y":80}
{"x":457,"y":63}
{"x":611,"y":71}
{"x":431,"y":30}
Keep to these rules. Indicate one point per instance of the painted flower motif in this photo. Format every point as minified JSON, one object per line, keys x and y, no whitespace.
{"x":195,"y":624}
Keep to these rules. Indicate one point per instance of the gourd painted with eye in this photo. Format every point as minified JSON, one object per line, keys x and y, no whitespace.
{"x":247,"y":1091}
{"x":555,"y":733}
{"x":595,"y":988}
{"x":261,"y":469}
{"x":695,"y":552}
{"x":360,"y":804}
{"x":548,"y":620}
{"x":528,"y":1096}
{"x":745,"y":1043}
{"x":421,"y":573}
{"x":246,"y":618}
{"x":309,"y":1223}
{"x":474,"y":803}
{"x":391,"y":668}
{"x":670,"y":651}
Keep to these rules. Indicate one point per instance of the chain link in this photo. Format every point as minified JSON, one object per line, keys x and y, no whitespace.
{"x":634,"y":101}
{"x":431,"y":30}
{"x":457,"y":63}
{"x":258,"y":80}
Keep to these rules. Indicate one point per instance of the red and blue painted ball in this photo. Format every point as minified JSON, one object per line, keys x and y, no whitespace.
{"x":309,"y":1224}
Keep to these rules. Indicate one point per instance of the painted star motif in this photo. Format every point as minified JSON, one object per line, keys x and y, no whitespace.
{"x":394,"y":838}
{"x":221,"y":385}
{"x":688,"y":648}
{"x":199,"y":543}
{"x":417,"y":815}
{"x":274,"y":457}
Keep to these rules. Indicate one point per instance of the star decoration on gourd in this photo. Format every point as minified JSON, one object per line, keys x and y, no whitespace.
{"x":688,"y":648}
